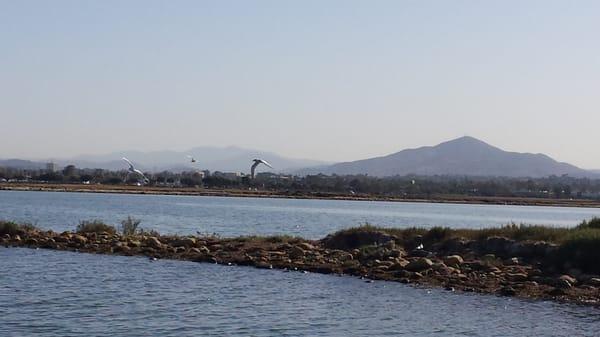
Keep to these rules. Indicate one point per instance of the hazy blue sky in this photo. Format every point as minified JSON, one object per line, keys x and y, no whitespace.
{"x":333,"y":80}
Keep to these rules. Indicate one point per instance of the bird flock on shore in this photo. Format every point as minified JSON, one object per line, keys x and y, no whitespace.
{"x":143,"y":179}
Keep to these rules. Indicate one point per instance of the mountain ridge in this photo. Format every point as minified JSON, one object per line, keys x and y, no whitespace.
{"x":465,"y":156}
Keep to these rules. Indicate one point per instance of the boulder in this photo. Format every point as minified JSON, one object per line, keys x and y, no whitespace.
{"x":419,"y":264}
{"x":296,"y":252}
{"x":79,"y":239}
{"x":204,"y":250}
{"x":153,"y":242}
{"x":568,"y":278}
{"x":453,"y":260}
{"x":517,"y":277}
{"x":183,"y":242}
{"x":134,"y":243}
{"x":498,"y":245}
{"x":31,"y":241}
{"x":306,"y":246}
{"x":594,"y":282}
{"x":507,"y":291}
{"x":421,"y":253}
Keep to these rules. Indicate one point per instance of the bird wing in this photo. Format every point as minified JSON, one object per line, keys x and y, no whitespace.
{"x":265,"y":162}
{"x":128,"y":162}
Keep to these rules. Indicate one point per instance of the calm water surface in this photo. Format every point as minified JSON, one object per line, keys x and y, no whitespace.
{"x":52,"y":293}
{"x":257,"y":216}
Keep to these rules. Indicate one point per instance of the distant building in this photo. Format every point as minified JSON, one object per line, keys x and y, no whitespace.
{"x":51,"y":167}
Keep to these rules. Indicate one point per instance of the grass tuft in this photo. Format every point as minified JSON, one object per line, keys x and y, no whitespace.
{"x":94,"y":226}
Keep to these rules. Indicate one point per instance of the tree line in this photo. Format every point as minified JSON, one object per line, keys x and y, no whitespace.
{"x":411,"y":186}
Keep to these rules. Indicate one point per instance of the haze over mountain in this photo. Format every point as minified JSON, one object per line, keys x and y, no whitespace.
{"x":231,"y":159}
{"x":466,"y":156}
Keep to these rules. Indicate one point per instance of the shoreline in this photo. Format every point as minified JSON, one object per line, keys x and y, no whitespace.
{"x":238,"y":193}
{"x":492,"y":265}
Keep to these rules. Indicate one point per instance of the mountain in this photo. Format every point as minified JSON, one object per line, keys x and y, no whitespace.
{"x":231,"y":159}
{"x":22,"y":164}
{"x":466,"y":156}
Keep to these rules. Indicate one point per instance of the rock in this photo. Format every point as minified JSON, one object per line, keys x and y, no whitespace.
{"x":419,"y":264}
{"x":16,"y":238}
{"x":517,"y":277}
{"x":306,"y":246}
{"x":183,"y":242}
{"x":513,"y":261}
{"x":296,"y":252}
{"x":153,"y":242}
{"x":390,"y":245}
{"x":134,"y":243}
{"x":121,"y":249}
{"x":79,"y":239}
{"x":563,"y":283}
{"x":420,"y":253}
{"x":204,"y":250}
{"x":508,"y":291}
{"x":397,"y":253}
{"x":179,"y":249}
{"x":453,"y":260}
{"x":568,"y":278}
{"x":455,"y":245}
{"x":498,"y":245}
{"x":488,"y":258}
{"x":556,"y":292}
{"x":195,"y":250}
{"x":31,"y":241}
{"x":594,"y":282}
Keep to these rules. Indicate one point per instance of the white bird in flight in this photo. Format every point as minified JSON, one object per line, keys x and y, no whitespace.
{"x":256,"y":163}
{"x":135,"y":171}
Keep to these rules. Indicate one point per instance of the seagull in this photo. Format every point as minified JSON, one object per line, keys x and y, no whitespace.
{"x":135,"y":171}
{"x":192,"y":159}
{"x":256,"y":163}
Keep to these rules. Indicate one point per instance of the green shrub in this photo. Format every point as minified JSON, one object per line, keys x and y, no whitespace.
{"x":130,"y":226}
{"x":593,"y":223}
{"x":437,"y":234}
{"x":9,"y":227}
{"x":581,"y":250}
{"x":12,"y":228}
{"x":94,"y":226}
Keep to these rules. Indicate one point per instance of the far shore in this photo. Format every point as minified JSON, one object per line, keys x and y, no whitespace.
{"x":191,"y":191}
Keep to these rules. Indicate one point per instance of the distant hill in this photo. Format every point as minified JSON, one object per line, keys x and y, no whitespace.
{"x":466,"y":156}
{"x":21,"y":164}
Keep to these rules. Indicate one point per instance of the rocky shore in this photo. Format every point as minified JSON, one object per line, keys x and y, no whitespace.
{"x":492,"y":265}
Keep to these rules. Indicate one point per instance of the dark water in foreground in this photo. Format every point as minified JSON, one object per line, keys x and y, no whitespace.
{"x":256,"y":216}
{"x":50,"y":293}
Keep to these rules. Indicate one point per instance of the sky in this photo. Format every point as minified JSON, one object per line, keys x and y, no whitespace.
{"x":326,"y":80}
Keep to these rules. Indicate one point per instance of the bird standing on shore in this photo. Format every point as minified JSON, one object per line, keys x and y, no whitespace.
{"x":135,"y":171}
{"x":256,"y":163}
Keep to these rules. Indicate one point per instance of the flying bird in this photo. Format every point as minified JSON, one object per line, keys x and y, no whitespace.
{"x":256,"y":163}
{"x":135,"y":171}
{"x":192,"y":159}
